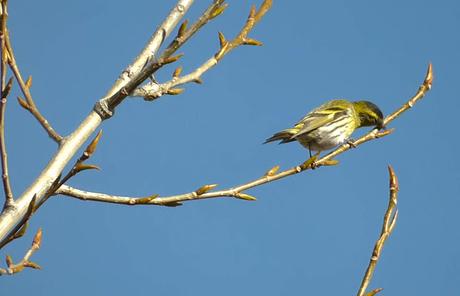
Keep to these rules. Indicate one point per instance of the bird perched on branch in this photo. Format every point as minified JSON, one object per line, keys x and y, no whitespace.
{"x":331,"y":124}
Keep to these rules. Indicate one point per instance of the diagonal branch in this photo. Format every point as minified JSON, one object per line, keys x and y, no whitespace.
{"x":270,"y":176}
{"x":389,"y":222}
{"x":133,"y":75}
{"x":154,"y":90}
{"x":29,"y":103}
{"x":106,"y":106}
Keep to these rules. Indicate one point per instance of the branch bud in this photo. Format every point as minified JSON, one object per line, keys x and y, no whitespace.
{"x":83,"y":167}
{"x":204,"y":189}
{"x":23,"y":104}
{"x":245,"y":196}
{"x":92,"y":146}
{"x":171,"y":59}
{"x":374,"y":292}
{"x":218,"y":11}
{"x":9,"y":261}
{"x":8,"y":87}
{"x":182,"y":29}
{"x":222,"y":41}
{"x":429,"y":76}
{"x":330,"y":162}
{"x":250,"y":41}
{"x":29,"y":82}
{"x":177,"y":72}
{"x":272,"y":171}
{"x":146,"y":200}
{"x":32,"y":265}
{"x":37,"y":239}
{"x":174,"y":91}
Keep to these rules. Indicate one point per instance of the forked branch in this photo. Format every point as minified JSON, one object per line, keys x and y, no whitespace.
{"x":154,"y":90}
{"x":25,"y":86}
{"x":25,"y":262}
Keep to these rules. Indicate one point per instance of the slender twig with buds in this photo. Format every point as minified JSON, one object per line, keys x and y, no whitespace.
{"x":25,"y":262}
{"x":389,"y":223}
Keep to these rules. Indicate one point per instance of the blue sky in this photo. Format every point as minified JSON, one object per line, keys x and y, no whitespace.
{"x":307,"y":234}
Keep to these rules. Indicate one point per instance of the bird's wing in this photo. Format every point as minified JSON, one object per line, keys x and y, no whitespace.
{"x":321,"y":116}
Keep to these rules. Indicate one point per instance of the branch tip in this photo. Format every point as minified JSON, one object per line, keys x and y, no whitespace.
{"x":222,"y":41}
{"x":182,"y":29}
{"x":37,"y":239}
{"x":250,"y":41}
{"x":394,"y":185}
{"x":245,"y":196}
{"x":218,"y":11}
{"x":91,"y":148}
{"x":429,"y":76}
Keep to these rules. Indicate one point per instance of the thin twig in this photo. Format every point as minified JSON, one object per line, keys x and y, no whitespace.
{"x":154,"y":90}
{"x":5,"y":88}
{"x":184,"y":33}
{"x":29,"y":103}
{"x":25,"y":262}
{"x":268,"y":177}
{"x":389,"y":222}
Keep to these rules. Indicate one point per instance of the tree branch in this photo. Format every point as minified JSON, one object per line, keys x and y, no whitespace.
{"x":128,"y":81}
{"x":153,"y":90}
{"x":270,"y":176}
{"x":389,"y":222}
{"x":29,"y":103}
{"x":132,"y":76}
{"x":25,"y":262}
{"x":5,"y":89}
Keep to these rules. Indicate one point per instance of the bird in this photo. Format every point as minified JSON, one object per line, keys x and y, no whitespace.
{"x":331,"y":124}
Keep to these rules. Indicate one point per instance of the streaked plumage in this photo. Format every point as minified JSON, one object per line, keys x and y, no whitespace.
{"x":331,"y":124}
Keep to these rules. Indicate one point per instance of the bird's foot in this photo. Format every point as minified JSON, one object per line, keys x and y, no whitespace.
{"x":351,"y":142}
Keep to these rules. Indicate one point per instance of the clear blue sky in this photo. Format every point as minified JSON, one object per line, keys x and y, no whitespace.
{"x":310,"y":234}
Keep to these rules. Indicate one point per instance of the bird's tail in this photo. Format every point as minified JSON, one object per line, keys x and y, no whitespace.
{"x":285,"y":136}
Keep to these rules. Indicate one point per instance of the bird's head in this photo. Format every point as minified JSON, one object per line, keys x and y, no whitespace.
{"x":369,"y":114}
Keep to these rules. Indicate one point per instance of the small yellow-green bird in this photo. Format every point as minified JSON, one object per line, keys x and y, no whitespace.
{"x":331,"y":124}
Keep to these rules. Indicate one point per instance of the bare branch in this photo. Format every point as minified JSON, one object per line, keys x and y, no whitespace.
{"x":133,"y":76}
{"x":25,"y":262}
{"x":270,"y":176}
{"x":389,"y":221}
{"x":154,"y":90}
{"x":5,"y":89}
{"x":29,"y":103}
